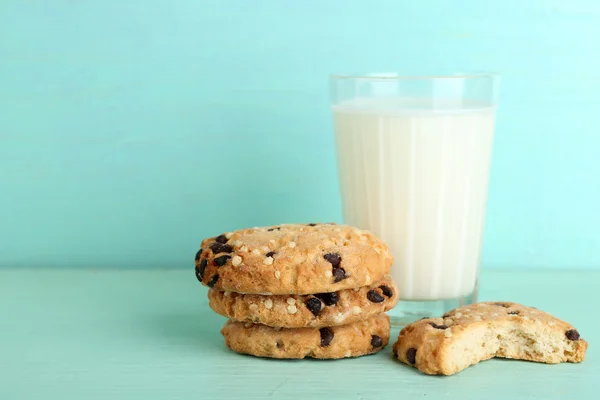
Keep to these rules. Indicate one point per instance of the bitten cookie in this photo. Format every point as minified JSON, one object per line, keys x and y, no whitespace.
{"x":297,"y":311}
{"x":470,"y":334}
{"x":292,"y":259}
{"x":352,"y":340}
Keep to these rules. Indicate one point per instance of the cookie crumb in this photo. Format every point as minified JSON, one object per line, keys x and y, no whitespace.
{"x":268,"y":304}
{"x":356,"y":310}
{"x":256,"y":252}
{"x":458,"y":315}
{"x":277,"y":274}
{"x":253,"y":307}
{"x":291,"y":245}
{"x":244,"y":249}
{"x":447,"y":333}
{"x":291,"y":301}
{"x":226,"y":294}
{"x":236,"y":243}
{"x":228,"y":235}
{"x":236,"y":261}
{"x":339,"y":317}
{"x":268,"y":260}
{"x":348,"y":354}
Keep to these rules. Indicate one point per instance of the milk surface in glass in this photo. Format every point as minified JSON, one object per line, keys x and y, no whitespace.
{"x":418,"y":177}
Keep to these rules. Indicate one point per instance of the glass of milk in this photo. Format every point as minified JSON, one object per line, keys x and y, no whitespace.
{"x":414,"y":158}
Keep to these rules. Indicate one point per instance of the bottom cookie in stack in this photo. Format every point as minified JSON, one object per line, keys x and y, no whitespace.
{"x":352,"y":340}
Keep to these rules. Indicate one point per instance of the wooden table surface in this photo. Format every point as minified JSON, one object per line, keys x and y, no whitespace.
{"x":149,"y":334}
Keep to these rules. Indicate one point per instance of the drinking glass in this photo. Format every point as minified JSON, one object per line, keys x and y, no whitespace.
{"x":413,"y":158}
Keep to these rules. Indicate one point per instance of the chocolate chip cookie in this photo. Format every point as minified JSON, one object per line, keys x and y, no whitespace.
{"x":467,"y":335}
{"x":317,"y":310}
{"x":292,"y":259}
{"x":352,"y":340}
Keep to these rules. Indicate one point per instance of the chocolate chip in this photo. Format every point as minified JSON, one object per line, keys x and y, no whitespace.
{"x":376,"y":341}
{"x":218,"y":247}
{"x":220,"y":261}
{"x":421,"y":319}
{"x":411,"y":355}
{"x":388,"y":292}
{"x":312,"y":224}
{"x":436,"y":326}
{"x":270,"y":254}
{"x":200,"y":269}
{"x":446,"y":315}
{"x":221,"y":239}
{"x":277,"y":228}
{"x":279,"y":344}
{"x":213,"y":281}
{"x":326,"y":336}
{"x":330,"y":299}
{"x":502,"y":305}
{"x":338,"y":275}
{"x":395,"y":352}
{"x":513,"y":313}
{"x":314,"y":305}
{"x":572,"y":334}
{"x":198,"y":254}
{"x":333,"y":258}
{"x":374,"y":297}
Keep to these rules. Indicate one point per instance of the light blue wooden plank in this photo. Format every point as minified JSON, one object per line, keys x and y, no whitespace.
{"x":92,"y":334}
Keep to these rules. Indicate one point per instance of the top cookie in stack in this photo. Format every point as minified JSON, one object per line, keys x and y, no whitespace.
{"x":295,"y":291}
{"x":292,"y":259}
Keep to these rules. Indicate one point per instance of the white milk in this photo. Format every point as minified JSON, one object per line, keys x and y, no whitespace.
{"x":418,"y":179}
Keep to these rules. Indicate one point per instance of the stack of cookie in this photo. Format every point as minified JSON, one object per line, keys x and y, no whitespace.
{"x":295,"y":291}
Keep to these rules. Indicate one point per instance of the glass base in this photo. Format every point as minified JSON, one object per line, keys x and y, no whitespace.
{"x":407,"y":311}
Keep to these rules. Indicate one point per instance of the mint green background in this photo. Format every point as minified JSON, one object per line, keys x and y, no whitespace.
{"x":129,"y":130}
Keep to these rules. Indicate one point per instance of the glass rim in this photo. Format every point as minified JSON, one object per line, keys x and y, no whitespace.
{"x":392,"y":76}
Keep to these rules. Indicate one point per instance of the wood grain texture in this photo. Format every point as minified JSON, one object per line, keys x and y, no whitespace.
{"x":74,"y":334}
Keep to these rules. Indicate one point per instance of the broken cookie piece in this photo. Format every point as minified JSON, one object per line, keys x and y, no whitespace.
{"x":467,"y":335}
